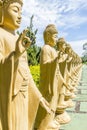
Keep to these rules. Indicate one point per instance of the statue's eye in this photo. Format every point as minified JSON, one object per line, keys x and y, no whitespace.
{"x":15,"y":9}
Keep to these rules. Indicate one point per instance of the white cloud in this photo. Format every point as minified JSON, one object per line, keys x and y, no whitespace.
{"x":46,"y":12}
{"x":78,"y":46}
{"x":65,"y":14}
{"x":42,"y":12}
{"x":72,"y":5}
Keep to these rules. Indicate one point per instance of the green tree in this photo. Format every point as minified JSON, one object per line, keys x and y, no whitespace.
{"x":33,"y":51}
{"x":33,"y":55}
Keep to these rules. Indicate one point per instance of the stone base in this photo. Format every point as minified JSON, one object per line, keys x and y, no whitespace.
{"x":60,"y":109}
{"x":63,"y":118}
{"x":69,"y":96}
{"x":70,"y":103}
{"x":53,"y":125}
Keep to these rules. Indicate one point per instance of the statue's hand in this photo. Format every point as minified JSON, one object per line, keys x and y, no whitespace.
{"x":69,"y":87}
{"x":59,"y":54}
{"x":45,"y":105}
{"x":22,"y":43}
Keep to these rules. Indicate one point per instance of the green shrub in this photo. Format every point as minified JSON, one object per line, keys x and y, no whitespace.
{"x":35,"y":71}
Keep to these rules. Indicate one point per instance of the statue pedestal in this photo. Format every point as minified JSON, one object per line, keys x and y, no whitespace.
{"x":69,"y":101}
{"x":53,"y":125}
{"x":63,"y":118}
{"x":50,"y":127}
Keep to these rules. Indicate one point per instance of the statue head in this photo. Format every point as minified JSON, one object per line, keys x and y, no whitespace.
{"x":61,"y":44}
{"x":10,"y":13}
{"x":50,"y":35}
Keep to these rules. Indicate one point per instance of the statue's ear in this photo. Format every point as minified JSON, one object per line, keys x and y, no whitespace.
{"x":48,"y":36}
{"x":1,"y":15}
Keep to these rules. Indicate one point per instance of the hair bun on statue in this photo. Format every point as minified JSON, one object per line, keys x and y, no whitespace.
{"x":1,"y":2}
{"x":4,"y":2}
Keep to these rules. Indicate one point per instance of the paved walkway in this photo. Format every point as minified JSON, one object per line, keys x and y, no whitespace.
{"x":78,"y":113}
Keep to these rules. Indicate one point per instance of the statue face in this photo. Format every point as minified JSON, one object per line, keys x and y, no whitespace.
{"x":53,"y":39}
{"x":69,"y":51}
{"x":63,"y":47}
{"x":12,"y":16}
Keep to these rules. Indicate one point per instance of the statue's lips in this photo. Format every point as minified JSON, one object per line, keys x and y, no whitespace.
{"x":18,"y":22}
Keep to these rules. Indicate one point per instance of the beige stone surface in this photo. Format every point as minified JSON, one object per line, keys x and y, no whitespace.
{"x":19,"y":96}
{"x":48,"y":80}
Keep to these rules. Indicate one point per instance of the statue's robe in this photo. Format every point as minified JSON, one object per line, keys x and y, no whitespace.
{"x":68,"y":69}
{"x":72,"y":82}
{"x":48,"y":85}
{"x":62,"y":68}
{"x":6,"y":77}
{"x":11,"y":98}
{"x":62,"y":78}
{"x":68,"y":72}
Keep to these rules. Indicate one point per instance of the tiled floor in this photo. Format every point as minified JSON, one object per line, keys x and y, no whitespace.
{"x":78,"y":113}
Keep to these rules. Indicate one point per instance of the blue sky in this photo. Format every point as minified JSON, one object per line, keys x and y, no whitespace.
{"x":69,"y":16}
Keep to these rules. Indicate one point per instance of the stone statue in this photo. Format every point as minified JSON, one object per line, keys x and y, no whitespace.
{"x":61,"y":44}
{"x":48,"y":80}
{"x":61,"y":116}
{"x":69,"y":78}
{"x":19,"y":97}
